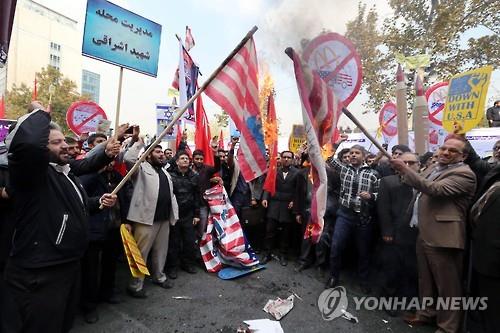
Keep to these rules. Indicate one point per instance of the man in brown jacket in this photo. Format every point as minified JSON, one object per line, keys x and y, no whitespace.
{"x":439,"y":210}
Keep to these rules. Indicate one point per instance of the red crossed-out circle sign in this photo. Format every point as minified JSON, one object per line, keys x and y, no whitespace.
{"x":335,"y":59}
{"x":388,"y":119}
{"x":436,"y":97}
{"x":84,"y":116}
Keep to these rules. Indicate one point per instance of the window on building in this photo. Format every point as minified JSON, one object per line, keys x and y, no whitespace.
{"x":91,"y":84}
{"x":55,"y":61}
{"x":55,"y":47}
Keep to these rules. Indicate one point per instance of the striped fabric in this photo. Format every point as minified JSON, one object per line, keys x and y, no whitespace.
{"x":223,"y":241}
{"x":235,"y":89}
{"x":320,"y":112}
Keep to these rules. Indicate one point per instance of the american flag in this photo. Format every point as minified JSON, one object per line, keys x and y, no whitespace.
{"x":340,"y":78}
{"x":224,"y":241}
{"x":321,"y":110}
{"x":235,"y":89}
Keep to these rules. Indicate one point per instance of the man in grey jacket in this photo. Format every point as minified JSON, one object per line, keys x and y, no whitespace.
{"x":153,"y":208}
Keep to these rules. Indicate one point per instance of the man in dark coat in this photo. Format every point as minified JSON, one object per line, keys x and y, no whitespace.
{"x":493,"y":115}
{"x":280,"y":208}
{"x":105,"y":244}
{"x":182,"y":250}
{"x":485,"y":227}
{"x":400,"y":261}
{"x":51,"y":210}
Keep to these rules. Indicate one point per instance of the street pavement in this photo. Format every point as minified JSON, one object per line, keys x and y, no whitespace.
{"x":217,"y":305}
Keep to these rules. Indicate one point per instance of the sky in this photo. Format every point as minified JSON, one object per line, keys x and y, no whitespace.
{"x":217,"y":27}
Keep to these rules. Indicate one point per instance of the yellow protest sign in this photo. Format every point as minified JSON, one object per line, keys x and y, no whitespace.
{"x":464,"y":106}
{"x":297,"y":138}
{"x":136,"y":263}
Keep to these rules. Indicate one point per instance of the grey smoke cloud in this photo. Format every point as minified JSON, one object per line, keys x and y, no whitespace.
{"x":291,"y":21}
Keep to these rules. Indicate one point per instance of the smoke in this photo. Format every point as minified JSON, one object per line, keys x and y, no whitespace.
{"x":293,"y":21}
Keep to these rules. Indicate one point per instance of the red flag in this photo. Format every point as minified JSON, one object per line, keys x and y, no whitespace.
{"x":202,"y":134}
{"x":321,"y":110}
{"x":35,"y":93}
{"x":178,"y":137}
{"x":272,"y":136}
{"x":221,"y":140}
{"x":236,"y":90}
{"x":189,"y":41}
{"x":2,"y":108}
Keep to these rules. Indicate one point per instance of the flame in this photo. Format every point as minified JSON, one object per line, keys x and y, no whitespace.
{"x":266,"y":88}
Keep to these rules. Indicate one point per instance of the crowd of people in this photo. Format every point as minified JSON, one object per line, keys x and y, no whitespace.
{"x":420,"y":226}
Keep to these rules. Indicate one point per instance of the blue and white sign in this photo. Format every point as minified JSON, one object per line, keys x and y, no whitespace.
{"x":120,"y":37}
{"x":164,"y":115}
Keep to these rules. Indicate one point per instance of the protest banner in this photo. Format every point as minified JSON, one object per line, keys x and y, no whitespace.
{"x":115,"y":35}
{"x":84,"y":117}
{"x":436,"y":98}
{"x":335,"y":59}
{"x":297,"y":138}
{"x":164,"y":115}
{"x":464,"y":105}
{"x":388,"y":121}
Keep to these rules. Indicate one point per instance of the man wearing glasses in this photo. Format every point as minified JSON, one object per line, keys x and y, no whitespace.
{"x":400,"y":261}
{"x":439,"y":211}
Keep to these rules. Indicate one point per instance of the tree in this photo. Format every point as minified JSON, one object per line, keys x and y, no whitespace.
{"x":362,"y":31}
{"x":64,"y":95}
{"x":433,"y":27}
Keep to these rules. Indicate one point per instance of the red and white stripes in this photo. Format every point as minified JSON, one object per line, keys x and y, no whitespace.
{"x":321,"y":110}
{"x":224,"y":229}
{"x":235,"y":89}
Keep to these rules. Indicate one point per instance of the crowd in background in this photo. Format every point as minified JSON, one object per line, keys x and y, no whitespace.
{"x":422,"y":226}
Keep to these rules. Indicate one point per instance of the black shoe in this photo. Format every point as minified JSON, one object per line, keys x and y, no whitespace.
{"x":137,"y":293}
{"x":172,"y":274}
{"x":91,"y":317}
{"x":165,"y":284}
{"x":283,"y":261}
{"x":189,"y":269}
{"x":331,"y":283}
{"x":266,"y":258}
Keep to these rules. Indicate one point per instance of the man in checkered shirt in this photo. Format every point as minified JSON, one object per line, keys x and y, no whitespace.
{"x":358,"y":192}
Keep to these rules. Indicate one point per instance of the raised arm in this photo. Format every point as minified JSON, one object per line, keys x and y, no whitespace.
{"x":28,"y":152}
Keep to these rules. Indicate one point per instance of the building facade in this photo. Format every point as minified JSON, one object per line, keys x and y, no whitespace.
{"x":91,"y":85}
{"x":41,"y":37}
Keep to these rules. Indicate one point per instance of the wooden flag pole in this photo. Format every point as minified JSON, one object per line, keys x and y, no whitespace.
{"x":180,"y":111}
{"x":290,"y":52}
{"x":365,"y":132}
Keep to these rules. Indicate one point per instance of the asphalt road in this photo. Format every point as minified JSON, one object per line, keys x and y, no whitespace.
{"x":221,"y":306}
